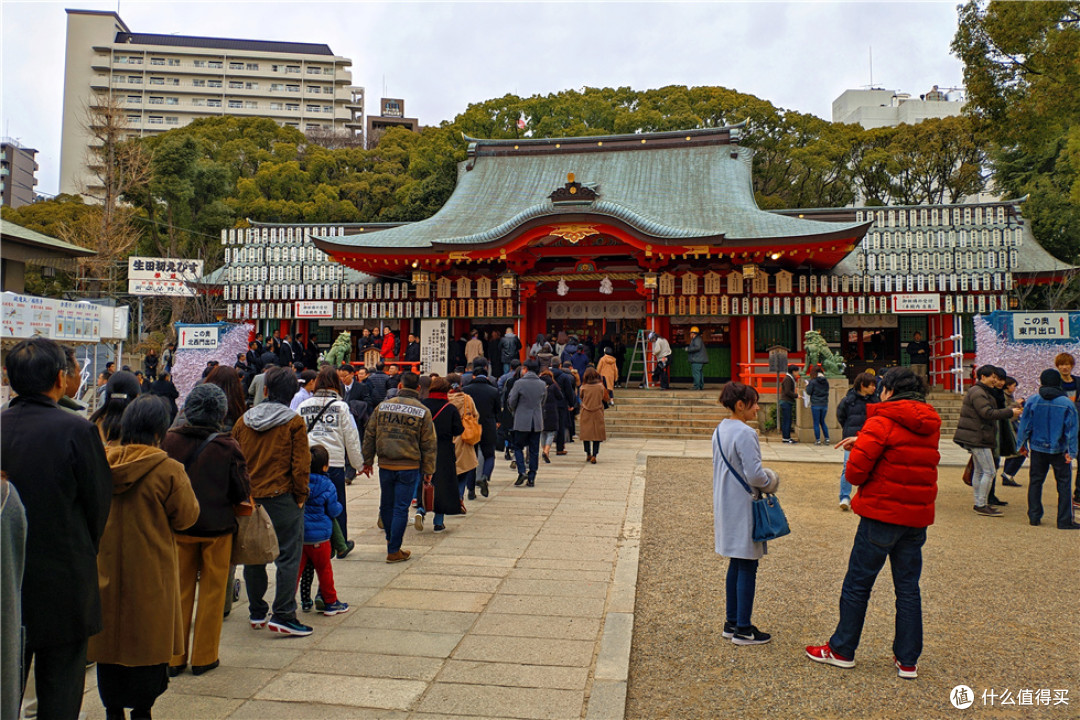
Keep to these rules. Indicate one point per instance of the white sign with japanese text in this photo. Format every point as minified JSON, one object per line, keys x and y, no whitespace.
{"x":1040,"y":326}
{"x":924,"y":303}
{"x":434,"y":346}
{"x":163,"y":276}
{"x":197,"y":337}
{"x":314,"y":309}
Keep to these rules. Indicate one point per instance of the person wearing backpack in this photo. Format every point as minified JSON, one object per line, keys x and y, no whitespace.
{"x":465,"y":444}
{"x":330,"y":424}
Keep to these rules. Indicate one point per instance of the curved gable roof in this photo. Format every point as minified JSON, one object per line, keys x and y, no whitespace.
{"x":683,"y":186}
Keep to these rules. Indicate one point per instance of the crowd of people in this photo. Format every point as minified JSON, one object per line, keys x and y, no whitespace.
{"x":131,"y":513}
{"x":891,"y":437}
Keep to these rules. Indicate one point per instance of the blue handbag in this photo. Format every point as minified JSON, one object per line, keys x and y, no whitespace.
{"x":769,"y":519}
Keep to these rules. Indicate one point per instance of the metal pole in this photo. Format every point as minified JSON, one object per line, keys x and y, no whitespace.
{"x":140,"y":333}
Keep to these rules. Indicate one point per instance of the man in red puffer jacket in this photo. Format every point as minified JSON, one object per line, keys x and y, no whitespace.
{"x":893,"y":462}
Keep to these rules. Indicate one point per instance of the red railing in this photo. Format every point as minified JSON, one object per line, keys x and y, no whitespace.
{"x":758,"y":376}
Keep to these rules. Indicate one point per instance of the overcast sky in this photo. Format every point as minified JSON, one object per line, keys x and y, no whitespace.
{"x":441,"y":56}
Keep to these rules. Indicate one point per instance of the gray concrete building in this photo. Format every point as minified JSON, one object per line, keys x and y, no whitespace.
{"x":165,"y":81}
{"x":18,"y":169}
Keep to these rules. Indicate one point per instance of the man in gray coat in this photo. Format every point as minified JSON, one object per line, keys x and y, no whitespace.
{"x":526,"y":401}
{"x":698,"y":356}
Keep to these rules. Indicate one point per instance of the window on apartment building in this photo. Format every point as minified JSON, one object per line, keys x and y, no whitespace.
{"x":292,"y":69}
{"x":252,"y":66}
{"x":250,"y":104}
{"x":172,"y":81}
{"x":157,"y":81}
{"x":199,"y":63}
{"x":292,"y":124}
{"x":157,"y":119}
{"x":251,"y":86}
{"x":328,"y":108}
{"x":198,"y":83}
{"x":276,"y":87}
{"x":275,"y":68}
{"x":213,"y":83}
{"x":312,"y":126}
{"x":236,"y":104}
{"x":236,"y":85}
{"x":135,"y":59}
{"x":134,"y":99}
{"x":216,"y":64}
{"x":174,"y":62}
{"x":276,"y":106}
{"x":172,"y":121}
{"x":198,"y":102}
{"x":134,"y":79}
{"x":172,"y":101}
{"x":157,"y":61}
{"x":213,"y":102}
{"x":292,"y":107}
{"x":292,"y":88}
{"x":133,"y":119}
{"x":121,"y":59}
{"x":314,"y":70}
{"x":236,"y":66}
{"x":312,"y":108}
{"x":314,"y":89}
{"x":157,"y":101}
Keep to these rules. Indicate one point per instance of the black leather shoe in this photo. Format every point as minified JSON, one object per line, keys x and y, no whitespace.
{"x":520,"y":480}
{"x":175,"y":670}
{"x":995,"y":501}
{"x":472,"y":495}
{"x":200,"y":669}
{"x":1008,"y":481}
{"x":1034,"y":523}
{"x":1074,"y":526}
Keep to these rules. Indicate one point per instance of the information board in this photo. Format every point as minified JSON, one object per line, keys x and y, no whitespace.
{"x":434,"y":346}
{"x":197,"y":337}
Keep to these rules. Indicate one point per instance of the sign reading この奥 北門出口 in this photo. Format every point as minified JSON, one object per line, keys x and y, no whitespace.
{"x":1041,"y":326}
{"x":197,"y":337}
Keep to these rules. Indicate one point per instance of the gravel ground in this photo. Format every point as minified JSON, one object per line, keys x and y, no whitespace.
{"x":1000,"y":608}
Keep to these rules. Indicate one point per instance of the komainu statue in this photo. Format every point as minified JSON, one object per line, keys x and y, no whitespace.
{"x":818,"y":354}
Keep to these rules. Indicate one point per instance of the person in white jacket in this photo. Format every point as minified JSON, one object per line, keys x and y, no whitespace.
{"x":331,"y":424}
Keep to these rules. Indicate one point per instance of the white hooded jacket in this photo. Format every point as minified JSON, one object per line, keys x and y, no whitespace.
{"x":335,"y":429}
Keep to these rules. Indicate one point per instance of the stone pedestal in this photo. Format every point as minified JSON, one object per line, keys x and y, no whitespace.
{"x":804,"y":422}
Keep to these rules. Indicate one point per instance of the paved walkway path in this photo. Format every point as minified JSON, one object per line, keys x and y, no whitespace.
{"x":522,"y":609}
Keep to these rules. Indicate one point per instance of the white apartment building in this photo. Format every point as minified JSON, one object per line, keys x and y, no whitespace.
{"x":887,"y":108}
{"x":166,"y":81}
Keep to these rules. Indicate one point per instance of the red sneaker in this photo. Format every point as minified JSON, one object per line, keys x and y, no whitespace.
{"x":906,"y":671}
{"x":825,"y":654}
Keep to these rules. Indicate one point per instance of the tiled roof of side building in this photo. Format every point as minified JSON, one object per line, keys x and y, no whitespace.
{"x":689,"y":185}
{"x":267,"y":46}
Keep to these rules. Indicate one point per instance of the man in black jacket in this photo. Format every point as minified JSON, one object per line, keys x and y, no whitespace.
{"x":485,"y":395}
{"x":412,"y":350}
{"x":379,"y":381}
{"x":566,"y":384}
{"x":56,"y":461}
{"x":850,"y":416}
{"x":789,"y":395}
{"x":919,"y":352}
{"x":285,"y":352}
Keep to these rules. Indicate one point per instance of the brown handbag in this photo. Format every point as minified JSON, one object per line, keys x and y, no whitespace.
{"x":969,"y":471}
{"x":255,"y":542}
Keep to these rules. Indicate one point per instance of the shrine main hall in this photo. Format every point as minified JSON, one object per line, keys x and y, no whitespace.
{"x":607,"y":236}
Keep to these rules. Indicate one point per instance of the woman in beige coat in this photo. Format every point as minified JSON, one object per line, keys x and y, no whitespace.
{"x":137,"y":565}
{"x":609,"y":371}
{"x":467,"y":461}
{"x":591,"y":427}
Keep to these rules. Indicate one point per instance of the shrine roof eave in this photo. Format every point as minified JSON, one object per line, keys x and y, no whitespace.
{"x":830,"y":232}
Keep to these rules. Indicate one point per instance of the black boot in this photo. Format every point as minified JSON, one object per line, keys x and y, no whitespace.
{"x":520,"y":479}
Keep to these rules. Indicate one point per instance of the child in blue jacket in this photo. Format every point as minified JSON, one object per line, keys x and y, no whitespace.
{"x":319,"y":512}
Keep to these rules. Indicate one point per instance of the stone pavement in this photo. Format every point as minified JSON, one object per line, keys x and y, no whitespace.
{"x":523,"y":608}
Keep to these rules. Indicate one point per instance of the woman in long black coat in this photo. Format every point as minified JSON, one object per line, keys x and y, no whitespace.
{"x":164,"y":387}
{"x":448,"y":426}
{"x":553,"y":400}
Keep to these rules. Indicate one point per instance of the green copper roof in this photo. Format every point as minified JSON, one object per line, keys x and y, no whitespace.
{"x":663,"y":191}
{"x":53,"y":247}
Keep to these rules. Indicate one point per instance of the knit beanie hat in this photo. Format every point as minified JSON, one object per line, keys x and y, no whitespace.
{"x":1050,"y":378}
{"x":205,"y":405}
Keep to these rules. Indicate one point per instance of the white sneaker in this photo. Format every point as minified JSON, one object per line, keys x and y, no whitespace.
{"x":845,"y":505}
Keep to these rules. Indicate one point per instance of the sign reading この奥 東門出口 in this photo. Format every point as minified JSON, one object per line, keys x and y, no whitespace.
{"x":1040,"y":326}
{"x":197,"y":337}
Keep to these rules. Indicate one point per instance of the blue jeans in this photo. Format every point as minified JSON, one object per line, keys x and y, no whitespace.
{"x":845,"y":486}
{"x":1013,"y":465}
{"x":741,"y":584}
{"x":874,"y":542}
{"x":398,"y":487}
{"x":1040,"y":464}
{"x":818,"y":413}
{"x":787,"y":411}
{"x":530,"y":440}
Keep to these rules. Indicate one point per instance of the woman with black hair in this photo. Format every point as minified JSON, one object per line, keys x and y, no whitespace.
{"x":738,"y":479}
{"x":120,"y":390}
{"x":163,"y":387}
{"x":893,"y":461}
{"x":137,"y":564}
